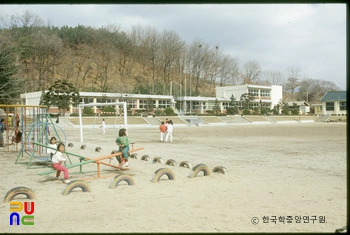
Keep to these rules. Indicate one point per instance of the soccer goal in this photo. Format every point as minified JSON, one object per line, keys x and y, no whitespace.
{"x":101,"y":104}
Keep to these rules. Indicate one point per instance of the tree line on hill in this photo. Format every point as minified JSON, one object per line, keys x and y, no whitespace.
{"x":143,"y":61}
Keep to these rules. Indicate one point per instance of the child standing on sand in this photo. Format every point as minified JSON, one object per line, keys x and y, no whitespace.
{"x":169,"y":133}
{"x":57,"y":160}
{"x":103,"y":126}
{"x":162,"y":129}
{"x":53,"y":144}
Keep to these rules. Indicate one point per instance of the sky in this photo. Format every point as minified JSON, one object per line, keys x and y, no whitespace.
{"x":309,"y":37}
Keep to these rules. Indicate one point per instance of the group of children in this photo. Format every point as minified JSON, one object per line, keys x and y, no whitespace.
{"x":56,"y":150}
{"x":56,"y":153}
{"x":166,"y":130}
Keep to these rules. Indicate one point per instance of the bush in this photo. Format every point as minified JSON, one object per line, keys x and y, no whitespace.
{"x":255,"y":112}
{"x":285,"y":111}
{"x":109,"y":109}
{"x":88,"y":111}
{"x":232,"y":111}
{"x":264,"y":111}
{"x":295,"y":111}
{"x":169,"y":111}
{"x":158,"y":112}
{"x":74,"y":115}
{"x":275,"y":112}
{"x":246,"y":112}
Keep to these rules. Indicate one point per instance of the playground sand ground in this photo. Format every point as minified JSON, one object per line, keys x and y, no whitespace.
{"x":273,"y":170}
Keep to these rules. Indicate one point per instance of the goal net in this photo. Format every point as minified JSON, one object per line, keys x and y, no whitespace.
{"x":100,"y":104}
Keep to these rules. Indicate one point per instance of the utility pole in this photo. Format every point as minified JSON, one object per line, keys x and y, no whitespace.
{"x":185,"y":108}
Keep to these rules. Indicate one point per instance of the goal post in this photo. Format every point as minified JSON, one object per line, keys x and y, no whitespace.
{"x":100,"y":104}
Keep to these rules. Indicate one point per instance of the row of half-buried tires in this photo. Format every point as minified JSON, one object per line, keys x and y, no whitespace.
{"x":21,"y":190}
{"x":172,"y":162}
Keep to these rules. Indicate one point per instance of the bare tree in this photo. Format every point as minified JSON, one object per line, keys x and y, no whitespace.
{"x":103,"y":57}
{"x":77,"y":66}
{"x":200,"y":65}
{"x":147,"y":54}
{"x":124,"y":56}
{"x":229,"y":70}
{"x":293,"y":77}
{"x":46,"y":54}
{"x":25,"y":20}
{"x":312,"y":90}
{"x":272,"y":77}
{"x":171,"y":47}
{"x":250,"y":72}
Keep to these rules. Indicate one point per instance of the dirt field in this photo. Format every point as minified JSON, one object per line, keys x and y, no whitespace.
{"x":282,"y":171}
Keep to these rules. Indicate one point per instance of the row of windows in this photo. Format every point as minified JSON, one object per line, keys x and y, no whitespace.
{"x":330,"y":106}
{"x":143,"y":104}
{"x":263,"y":93}
{"x":254,"y":92}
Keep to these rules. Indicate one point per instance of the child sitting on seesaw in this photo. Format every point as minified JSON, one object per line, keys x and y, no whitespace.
{"x":57,"y":160}
{"x":123,"y":143}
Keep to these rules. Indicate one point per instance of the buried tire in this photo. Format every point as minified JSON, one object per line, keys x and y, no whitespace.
{"x":83,"y":147}
{"x":198,"y":168}
{"x":157,"y":159}
{"x":170,"y":162}
{"x":162,"y":171}
{"x":185,"y":164}
{"x":220,"y":169}
{"x":119,"y":178}
{"x":76,"y":184}
{"x":134,"y":155}
{"x":17,"y":191}
{"x":145,"y":158}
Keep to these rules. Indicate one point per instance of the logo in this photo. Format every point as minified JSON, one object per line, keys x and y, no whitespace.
{"x":15,"y":217}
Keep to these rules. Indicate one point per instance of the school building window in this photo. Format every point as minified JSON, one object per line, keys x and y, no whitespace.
{"x":329,"y":106}
{"x":265,"y":93}
{"x":143,"y":104}
{"x":254,"y":92}
{"x":255,"y":106}
{"x":342,"y":105}
{"x":195,"y":105}
{"x":225,"y":105}
{"x":86,"y":100}
{"x":163,"y":104}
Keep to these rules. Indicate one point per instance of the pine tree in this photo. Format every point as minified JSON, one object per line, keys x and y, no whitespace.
{"x":61,"y":94}
{"x":9,"y":86}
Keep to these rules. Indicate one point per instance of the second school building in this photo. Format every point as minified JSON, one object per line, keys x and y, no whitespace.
{"x":266,"y":96}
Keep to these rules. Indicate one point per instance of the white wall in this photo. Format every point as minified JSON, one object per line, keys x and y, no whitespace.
{"x":276,"y":94}
{"x":237,"y":91}
{"x":228,"y":91}
{"x":32,"y":98}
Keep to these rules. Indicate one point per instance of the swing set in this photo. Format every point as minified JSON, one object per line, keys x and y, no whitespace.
{"x":39,"y":132}
{"x":17,"y":119}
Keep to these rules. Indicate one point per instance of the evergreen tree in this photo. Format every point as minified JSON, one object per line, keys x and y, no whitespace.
{"x":9,"y":86}
{"x":61,"y":94}
{"x":216,"y":108}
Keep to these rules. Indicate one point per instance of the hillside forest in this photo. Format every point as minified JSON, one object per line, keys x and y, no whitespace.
{"x":34,"y":54}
